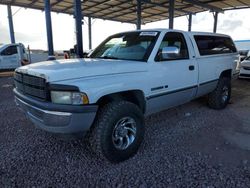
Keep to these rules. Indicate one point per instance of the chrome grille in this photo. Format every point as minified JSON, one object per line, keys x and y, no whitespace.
{"x":30,"y":85}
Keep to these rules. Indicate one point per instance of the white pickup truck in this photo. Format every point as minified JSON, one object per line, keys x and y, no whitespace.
{"x":127,"y":77}
{"x":12,"y":56}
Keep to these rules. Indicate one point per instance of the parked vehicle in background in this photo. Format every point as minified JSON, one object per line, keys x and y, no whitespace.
{"x":12,"y":56}
{"x":243,"y":47}
{"x":15,"y":55}
{"x":127,"y":77}
{"x":243,"y":54}
{"x":245,"y":68}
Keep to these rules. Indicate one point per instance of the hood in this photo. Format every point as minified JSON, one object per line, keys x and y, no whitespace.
{"x":59,"y":70}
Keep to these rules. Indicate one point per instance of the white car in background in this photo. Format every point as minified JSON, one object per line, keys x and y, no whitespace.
{"x":245,"y":68}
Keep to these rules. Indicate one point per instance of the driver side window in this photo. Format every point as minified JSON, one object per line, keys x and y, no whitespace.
{"x":176,"y":40}
{"x":11,"y":50}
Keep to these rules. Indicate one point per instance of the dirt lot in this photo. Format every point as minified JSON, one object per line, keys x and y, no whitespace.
{"x":188,"y":146}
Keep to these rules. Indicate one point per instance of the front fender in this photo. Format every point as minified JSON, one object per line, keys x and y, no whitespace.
{"x":98,"y":87}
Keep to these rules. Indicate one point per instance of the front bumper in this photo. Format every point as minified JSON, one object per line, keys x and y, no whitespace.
{"x":244,"y":73}
{"x":65,"y":119}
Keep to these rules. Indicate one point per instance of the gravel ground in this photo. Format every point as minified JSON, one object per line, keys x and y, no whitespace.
{"x":187,"y":146}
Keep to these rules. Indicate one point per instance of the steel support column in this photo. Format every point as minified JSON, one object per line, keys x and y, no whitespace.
{"x":215,"y":21}
{"x":190,"y":22}
{"x":138,"y":12}
{"x":171,"y":14}
{"x":90,"y":32}
{"x":78,"y":22}
{"x":49,"y":29}
{"x":12,"y":33}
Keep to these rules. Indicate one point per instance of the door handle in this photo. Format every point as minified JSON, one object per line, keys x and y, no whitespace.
{"x":191,"y":67}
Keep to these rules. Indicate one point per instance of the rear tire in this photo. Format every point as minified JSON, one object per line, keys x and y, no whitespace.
{"x":219,"y":98}
{"x":117,"y":131}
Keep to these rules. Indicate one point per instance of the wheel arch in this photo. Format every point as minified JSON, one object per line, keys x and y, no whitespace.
{"x":135,"y":96}
{"x":226,"y":73}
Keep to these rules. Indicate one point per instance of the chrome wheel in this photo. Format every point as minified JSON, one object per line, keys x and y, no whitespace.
{"x":124,"y":133}
{"x":225,"y":94}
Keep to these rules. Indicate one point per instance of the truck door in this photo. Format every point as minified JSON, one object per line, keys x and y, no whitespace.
{"x":9,"y":58}
{"x":175,"y":78}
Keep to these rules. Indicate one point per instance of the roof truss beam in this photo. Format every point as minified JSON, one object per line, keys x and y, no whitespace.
{"x":145,"y":8}
{"x":162,"y":5}
{"x":33,"y":2}
{"x":120,"y":9}
{"x":204,"y":5}
{"x":89,"y":7}
{"x":55,"y":3}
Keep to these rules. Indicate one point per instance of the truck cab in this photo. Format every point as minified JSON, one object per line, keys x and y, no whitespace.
{"x":12,"y":55}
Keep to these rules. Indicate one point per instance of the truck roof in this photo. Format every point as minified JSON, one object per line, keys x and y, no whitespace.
{"x":191,"y":33}
{"x":6,"y":45}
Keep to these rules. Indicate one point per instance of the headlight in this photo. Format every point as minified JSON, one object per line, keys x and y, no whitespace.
{"x":66,"y":97}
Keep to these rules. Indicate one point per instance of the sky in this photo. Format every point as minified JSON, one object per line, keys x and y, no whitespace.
{"x":30,"y":29}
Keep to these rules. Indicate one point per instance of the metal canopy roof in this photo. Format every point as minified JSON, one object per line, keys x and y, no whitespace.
{"x":125,"y":11}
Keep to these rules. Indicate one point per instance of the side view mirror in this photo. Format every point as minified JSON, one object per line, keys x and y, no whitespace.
{"x":170,"y":52}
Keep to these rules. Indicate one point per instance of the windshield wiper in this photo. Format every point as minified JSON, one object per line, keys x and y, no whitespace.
{"x":108,"y":57}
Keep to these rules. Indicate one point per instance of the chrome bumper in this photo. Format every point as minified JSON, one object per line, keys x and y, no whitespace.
{"x":56,"y":121}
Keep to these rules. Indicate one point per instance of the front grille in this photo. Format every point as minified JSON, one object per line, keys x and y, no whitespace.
{"x":30,"y":85}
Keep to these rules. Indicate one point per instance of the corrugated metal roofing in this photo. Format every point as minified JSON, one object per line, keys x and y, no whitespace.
{"x":125,"y":11}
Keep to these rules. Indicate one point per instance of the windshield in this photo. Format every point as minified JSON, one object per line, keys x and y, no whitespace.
{"x":135,"y":46}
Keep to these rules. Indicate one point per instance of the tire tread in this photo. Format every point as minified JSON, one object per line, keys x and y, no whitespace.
{"x":214,"y":100}
{"x":95,"y":134}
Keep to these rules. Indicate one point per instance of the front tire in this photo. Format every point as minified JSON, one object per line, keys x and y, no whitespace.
{"x":219,"y":98}
{"x":117,"y":131}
